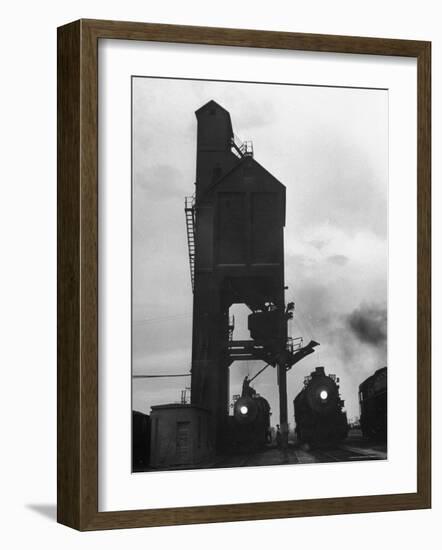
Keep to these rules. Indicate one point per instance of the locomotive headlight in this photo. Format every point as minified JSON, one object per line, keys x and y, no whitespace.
{"x":323,"y":395}
{"x":244,"y":410}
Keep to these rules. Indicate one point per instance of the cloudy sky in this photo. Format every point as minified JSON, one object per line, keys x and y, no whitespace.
{"x":329,"y":147}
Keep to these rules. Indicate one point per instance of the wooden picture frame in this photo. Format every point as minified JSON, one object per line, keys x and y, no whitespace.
{"x":77,"y":460}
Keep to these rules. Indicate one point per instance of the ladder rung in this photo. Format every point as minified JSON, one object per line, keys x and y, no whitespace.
{"x":190,"y":223}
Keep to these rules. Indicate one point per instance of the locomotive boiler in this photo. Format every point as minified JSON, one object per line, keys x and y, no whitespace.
{"x":319,"y":416}
{"x":250,"y":423}
{"x":373,"y":405}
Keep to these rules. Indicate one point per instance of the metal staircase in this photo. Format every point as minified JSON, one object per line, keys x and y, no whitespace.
{"x":189,"y":210}
{"x":241,"y":148}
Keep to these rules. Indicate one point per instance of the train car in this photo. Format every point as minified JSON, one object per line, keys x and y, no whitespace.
{"x":250,"y":423}
{"x":319,"y":416}
{"x":140,"y":441}
{"x":373,"y":405}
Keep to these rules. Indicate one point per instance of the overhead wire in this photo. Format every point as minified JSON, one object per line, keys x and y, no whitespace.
{"x":162,"y":318}
{"x":159,"y":375}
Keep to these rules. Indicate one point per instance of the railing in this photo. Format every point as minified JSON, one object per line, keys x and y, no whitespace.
{"x":189,"y":202}
{"x":242,"y":148}
{"x":294,"y":344}
{"x":186,"y":396}
{"x":247,"y":148}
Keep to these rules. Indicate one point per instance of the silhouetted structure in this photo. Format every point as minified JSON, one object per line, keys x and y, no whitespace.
{"x":373,"y":405}
{"x":140,"y":441}
{"x":319,"y":416}
{"x":250,"y":423}
{"x":235,"y":223}
{"x":180,"y":435}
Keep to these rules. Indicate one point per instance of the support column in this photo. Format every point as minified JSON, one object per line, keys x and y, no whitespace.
{"x":282,"y":383}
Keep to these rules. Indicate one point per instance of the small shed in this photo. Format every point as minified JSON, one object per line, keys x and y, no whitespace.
{"x":180,"y":435}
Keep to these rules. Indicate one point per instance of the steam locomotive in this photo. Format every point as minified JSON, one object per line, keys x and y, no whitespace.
{"x":250,"y":423}
{"x":373,"y":405}
{"x":320,"y":420}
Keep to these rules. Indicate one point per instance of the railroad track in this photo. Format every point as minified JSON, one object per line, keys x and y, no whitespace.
{"x":299,"y":455}
{"x":344,"y":453}
{"x":367,"y":453}
{"x":234,"y":461}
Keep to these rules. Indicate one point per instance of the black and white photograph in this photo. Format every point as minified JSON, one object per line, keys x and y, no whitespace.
{"x":220,"y":275}
{"x":259,"y":274}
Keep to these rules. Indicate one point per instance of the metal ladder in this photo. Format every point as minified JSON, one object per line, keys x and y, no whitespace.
{"x":189,"y":210}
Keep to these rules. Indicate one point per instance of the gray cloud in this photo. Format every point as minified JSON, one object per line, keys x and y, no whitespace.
{"x":317,"y":243}
{"x":338,"y":259}
{"x":343,"y":188}
{"x":162,"y":182}
{"x":329,"y":148}
{"x":369,"y":323}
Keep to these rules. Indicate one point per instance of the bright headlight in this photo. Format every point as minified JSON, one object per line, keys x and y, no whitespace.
{"x":323,"y":395}
{"x":244,"y":410}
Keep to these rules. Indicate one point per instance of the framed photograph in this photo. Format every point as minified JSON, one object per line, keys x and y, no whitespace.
{"x":243,"y":274}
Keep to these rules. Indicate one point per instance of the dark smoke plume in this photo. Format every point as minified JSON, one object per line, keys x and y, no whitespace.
{"x":369,"y":324}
